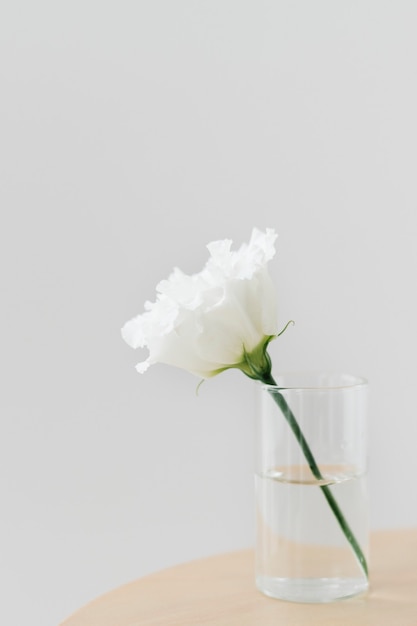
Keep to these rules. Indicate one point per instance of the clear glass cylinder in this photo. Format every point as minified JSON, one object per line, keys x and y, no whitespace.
{"x":311,"y":487}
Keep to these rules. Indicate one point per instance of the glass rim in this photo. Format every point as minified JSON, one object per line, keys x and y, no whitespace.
{"x":351,"y":381}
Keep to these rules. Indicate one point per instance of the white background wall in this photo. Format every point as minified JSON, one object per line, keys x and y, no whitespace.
{"x":131,"y":134}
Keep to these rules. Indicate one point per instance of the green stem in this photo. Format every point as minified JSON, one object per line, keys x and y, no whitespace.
{"x":295,"y":427}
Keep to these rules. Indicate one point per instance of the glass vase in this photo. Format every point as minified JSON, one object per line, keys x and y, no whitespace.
{"x":311,"y":487}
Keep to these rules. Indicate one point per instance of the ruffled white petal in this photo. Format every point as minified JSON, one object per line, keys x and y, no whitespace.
{"x":143,"y":366}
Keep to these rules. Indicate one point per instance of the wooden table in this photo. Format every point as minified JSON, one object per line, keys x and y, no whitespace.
{"x":220,"y":590}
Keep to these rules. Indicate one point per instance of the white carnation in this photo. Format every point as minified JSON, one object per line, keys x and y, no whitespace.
{"x":211,"y":321}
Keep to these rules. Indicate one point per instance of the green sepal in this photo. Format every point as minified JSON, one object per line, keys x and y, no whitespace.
{"x":257,"y":364}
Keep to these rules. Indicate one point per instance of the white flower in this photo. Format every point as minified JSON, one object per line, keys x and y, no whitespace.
{"x":222,"y":317}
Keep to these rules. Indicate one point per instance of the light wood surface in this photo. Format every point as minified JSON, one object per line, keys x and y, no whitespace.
{"x":220,"y":591}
